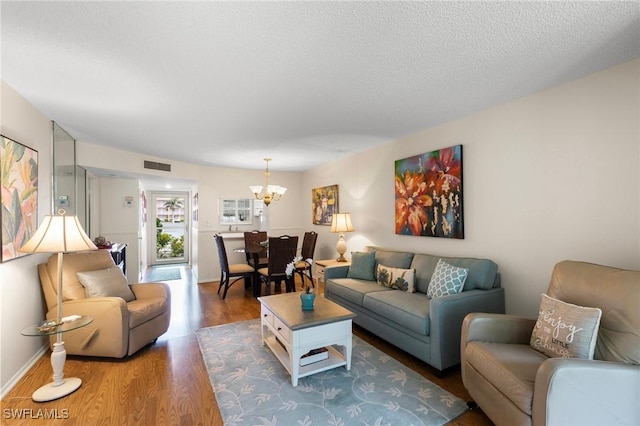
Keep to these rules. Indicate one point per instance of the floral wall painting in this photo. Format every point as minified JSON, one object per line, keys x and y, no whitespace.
{"x":428,"y":194}
{"x":19,"y":197}
{"x":324,"y":203}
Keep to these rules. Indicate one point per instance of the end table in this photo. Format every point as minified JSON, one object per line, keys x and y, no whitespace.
{"x":60,"y":386}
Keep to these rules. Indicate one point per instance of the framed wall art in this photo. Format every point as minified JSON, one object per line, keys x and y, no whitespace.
{"x":19,"y":197}
{"x":324,"y":203}
{"x":428,"y":194}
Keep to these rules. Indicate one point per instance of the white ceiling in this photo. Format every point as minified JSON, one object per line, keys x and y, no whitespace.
{"x":228,"y":83}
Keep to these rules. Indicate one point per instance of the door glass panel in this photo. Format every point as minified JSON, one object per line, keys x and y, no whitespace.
{"x":171,"y":228}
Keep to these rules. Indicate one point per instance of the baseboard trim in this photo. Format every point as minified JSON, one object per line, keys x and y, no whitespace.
{"x":22,"y":371}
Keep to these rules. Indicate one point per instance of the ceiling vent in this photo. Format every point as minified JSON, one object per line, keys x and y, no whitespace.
{"x":153,"y":165}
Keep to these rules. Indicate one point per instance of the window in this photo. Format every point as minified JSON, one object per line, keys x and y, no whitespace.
{"x":235,"y":211}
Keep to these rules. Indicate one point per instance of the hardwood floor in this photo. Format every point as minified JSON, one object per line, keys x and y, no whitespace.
{"x":166,"y":383}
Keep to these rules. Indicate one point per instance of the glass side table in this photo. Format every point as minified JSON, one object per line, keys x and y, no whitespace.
{"x":60,"y":386}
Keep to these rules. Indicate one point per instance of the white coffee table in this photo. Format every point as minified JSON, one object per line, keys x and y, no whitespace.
{"x":291,"y":332}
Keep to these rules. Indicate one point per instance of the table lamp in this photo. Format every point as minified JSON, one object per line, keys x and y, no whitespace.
{"x":341,"y":223}
{"x":58,"y":234}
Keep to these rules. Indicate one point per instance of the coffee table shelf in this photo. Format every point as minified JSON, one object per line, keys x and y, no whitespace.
{"x":335,"y":359}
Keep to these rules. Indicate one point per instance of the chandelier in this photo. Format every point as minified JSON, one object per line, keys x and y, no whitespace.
{"x":268,"y":193}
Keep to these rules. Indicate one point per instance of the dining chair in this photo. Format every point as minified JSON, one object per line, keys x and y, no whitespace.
{"x":255,"y":250}
{"x":308,"y":248}
{"x":235,"y":270}
{"x":282,"y":251}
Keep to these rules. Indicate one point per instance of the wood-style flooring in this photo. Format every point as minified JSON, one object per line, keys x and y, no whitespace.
{"x":166,"y":383}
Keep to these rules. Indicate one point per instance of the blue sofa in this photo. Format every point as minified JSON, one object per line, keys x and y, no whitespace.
{"x":427,"y":328}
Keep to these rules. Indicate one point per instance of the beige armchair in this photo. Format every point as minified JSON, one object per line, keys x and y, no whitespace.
{"x":119,"y":328}
{"x":517,"y":385}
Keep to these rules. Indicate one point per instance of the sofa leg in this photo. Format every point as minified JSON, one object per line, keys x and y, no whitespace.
{"x":472,"y":405}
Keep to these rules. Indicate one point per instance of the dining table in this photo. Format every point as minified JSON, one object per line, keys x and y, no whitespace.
{"x":255,"y":252}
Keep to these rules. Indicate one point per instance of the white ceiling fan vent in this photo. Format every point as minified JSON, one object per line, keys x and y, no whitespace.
{"x":153,"y":165}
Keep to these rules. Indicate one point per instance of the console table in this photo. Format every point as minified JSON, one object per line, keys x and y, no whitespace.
{"x":118,"y":252}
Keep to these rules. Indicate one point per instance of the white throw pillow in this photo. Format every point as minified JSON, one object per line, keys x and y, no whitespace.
{"x":401,"y":279}
{"x":108,"y":282}
{"x":564,"y":330}
{"x":446,"y":279}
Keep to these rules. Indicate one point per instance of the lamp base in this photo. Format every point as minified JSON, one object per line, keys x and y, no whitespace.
{"x":49,"y":392}
{"x":60,"y":386}
{"x":341,"y":248}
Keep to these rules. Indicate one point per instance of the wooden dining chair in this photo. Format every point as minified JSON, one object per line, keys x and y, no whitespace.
{"x":236,"y":270}
{"x":255,"y":250}
{"x":282,"y":251}
{"x":303,"y":267}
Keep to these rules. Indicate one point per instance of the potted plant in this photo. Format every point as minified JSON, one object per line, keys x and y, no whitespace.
{"x":307,"y":298}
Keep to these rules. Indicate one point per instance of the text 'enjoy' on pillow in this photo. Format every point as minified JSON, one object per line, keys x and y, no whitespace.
{"x":564,"y":330}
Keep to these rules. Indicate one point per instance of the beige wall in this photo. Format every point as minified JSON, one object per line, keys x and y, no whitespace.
{"x":548,"y":177}
{"x":21,"y":301}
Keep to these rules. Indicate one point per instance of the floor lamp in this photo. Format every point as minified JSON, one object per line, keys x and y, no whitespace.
{"x":58,"y":234}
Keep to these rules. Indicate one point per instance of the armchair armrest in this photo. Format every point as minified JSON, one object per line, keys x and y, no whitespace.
{"x":150,"y":290}
{"x":580,"y":391}
{"x":339,"y":271}
{"x":497,"y":328}
{"x":107,"y":335}
{"x":447,"y":314}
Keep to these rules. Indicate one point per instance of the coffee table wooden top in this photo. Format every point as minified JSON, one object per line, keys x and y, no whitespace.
{"x":287,"y":307}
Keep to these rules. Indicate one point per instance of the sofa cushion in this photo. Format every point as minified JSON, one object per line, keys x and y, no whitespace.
{"x":363,"y":266}
{"x":564,"y":330}
{"x":510,"y":368}
{"x":393,"y":259}
{"x":482,"y":272}
{"x":447,"y":279}
{"x":353,"y":290}
{"x":396,"y":278}
{"x":410,"y":310}
{"x":109,"y":282}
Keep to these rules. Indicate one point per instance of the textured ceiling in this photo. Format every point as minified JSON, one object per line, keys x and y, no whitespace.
{"x":228,"y":83}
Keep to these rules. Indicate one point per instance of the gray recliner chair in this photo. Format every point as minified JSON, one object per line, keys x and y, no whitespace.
{"x":515,"y":384}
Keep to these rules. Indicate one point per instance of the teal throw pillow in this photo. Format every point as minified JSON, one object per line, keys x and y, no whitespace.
{"x":446,"y":279}
{"x":363,"y":266}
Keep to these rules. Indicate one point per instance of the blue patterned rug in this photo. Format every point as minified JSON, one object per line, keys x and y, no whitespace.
{"x":253,"y":388}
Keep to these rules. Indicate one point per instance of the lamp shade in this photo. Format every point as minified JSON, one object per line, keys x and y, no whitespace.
{"x":58,"y":234}
{"x":341,"y":222}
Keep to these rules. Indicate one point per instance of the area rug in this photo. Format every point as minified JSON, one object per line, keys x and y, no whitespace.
{"x":164,"y":274}
{"x":253,"y":388}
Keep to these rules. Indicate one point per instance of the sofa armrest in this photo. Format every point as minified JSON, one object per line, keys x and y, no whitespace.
{"x":150,"y":290}
{"x":446,"y":315}
{"x":106,"y":335}
{"x":335,"y":272}
{"x":497,"y":328}
{"x":580,"y":391}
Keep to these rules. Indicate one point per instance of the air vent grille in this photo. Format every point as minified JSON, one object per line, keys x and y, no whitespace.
{"x":153,"y":165}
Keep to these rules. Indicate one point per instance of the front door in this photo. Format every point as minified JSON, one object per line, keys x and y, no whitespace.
{"x":170,"y":216}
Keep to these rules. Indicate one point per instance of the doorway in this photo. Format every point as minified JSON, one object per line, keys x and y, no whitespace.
{"x":170,"y":214}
